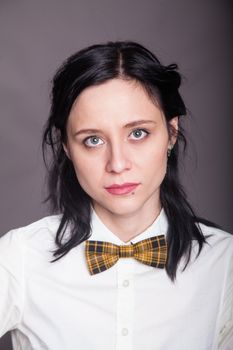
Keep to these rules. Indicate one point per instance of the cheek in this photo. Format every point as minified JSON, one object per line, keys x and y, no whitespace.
{"x":87,"y":172}
{"x":155,"y":158}
{"x":154,"y":167}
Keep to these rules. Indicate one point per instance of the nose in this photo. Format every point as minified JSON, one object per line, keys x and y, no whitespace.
{"x":118,"y":159}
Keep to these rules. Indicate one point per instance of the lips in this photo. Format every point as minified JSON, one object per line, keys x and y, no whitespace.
{"x":121,"y":189}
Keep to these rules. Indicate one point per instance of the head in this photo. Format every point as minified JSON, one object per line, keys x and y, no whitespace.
{"x":126,"y":84}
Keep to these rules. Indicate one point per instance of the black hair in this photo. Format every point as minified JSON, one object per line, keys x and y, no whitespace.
{"x":92,"y":66}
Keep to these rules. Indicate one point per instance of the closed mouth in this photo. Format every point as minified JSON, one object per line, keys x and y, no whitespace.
{"x":121,"y":189}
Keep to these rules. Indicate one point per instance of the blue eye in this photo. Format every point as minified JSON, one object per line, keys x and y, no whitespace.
{"x":93,"y":141}
{"x":138,"y":134}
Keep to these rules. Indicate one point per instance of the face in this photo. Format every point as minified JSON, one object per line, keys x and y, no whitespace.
{"x":117,"y":139}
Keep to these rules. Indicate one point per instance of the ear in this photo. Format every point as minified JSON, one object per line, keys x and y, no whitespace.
{"x":66,"y":150}
{"x":173,"y":126}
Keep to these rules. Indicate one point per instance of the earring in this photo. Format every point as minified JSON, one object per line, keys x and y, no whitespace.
{"x":169,"y":151}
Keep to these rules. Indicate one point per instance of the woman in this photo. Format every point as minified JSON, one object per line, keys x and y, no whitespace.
{"x":132,"y":266}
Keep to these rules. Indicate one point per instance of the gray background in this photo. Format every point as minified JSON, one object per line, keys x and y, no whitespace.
{"x":36,"y":36}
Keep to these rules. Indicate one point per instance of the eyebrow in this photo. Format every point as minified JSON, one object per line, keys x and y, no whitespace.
{"x":128,"y":125}
{"x":139,"y":122}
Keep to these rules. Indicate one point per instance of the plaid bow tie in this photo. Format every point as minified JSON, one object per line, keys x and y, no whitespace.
{"x":103,"y":255}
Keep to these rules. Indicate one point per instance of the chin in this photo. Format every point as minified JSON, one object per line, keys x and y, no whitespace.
{"x":121,"y":208}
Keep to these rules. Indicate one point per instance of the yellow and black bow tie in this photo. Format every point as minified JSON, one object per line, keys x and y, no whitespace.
{"x":103,"y":255}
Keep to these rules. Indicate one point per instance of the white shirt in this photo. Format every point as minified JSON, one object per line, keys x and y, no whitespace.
{"x":131,"y":306}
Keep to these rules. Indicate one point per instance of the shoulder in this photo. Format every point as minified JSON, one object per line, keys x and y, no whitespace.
{"x":215,"y":235}
{"x":47,"y":222}
{"x":219,"y":243}
{"x":214,"y":260}
{"x":35,"y":234}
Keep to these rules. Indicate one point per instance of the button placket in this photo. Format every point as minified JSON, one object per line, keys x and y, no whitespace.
{"x":125,"y":303}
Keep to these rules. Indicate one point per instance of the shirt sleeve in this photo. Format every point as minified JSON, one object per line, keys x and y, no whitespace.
{"x":225,"y":339}
{"x":11,"y":281}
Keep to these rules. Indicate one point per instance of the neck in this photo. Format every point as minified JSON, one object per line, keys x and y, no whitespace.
{"x":130,"y":225}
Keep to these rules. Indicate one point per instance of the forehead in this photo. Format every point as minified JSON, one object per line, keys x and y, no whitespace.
{"x":116,"y":99}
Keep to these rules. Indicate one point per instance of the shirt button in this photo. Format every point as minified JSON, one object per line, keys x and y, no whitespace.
{"x":124,"y":331}
{"x":126,"y":283}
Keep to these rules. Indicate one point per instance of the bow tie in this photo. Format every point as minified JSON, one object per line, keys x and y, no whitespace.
{"x":101,"y":256}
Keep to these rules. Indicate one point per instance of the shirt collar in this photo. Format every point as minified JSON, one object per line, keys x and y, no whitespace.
{"x":101,"y":233}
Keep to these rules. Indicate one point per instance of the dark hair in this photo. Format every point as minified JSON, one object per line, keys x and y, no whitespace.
{"x":92,"y":66}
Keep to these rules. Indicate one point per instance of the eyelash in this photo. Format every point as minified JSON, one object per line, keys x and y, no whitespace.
{"x":96,"y":137}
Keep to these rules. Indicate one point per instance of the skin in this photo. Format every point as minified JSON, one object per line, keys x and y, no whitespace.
{"x":116,"y":135}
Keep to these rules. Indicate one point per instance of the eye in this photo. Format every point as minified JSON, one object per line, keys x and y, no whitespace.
{"x":93,"y":141}
{"x":138,"y":134}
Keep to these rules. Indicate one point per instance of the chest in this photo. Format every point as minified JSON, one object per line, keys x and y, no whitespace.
{"x":129,"y":306}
